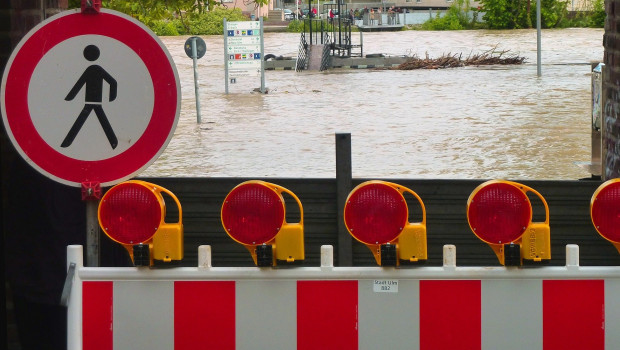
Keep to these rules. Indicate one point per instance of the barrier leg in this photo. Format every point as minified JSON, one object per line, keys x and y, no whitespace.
{"x":74,"y":309}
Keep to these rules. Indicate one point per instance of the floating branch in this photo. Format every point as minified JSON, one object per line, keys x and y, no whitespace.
{"x":449,"y":60}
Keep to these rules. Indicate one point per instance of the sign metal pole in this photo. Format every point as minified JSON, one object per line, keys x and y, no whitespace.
{"x":195,"y":59}
{"x":262,"y":61}
{"x":92,"y":234}
{"x":225,"y":56}
{"x":538,"y":39}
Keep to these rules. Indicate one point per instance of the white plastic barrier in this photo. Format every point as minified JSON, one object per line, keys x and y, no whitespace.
{"x":326,"y":307}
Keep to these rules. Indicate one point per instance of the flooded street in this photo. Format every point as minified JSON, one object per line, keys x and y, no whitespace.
{"x":461,"y":123}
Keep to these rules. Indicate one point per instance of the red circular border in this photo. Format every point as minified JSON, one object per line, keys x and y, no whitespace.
{"x":165,"y":108}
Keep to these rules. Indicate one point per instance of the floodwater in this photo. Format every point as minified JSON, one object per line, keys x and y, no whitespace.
{"x":459,"y":123}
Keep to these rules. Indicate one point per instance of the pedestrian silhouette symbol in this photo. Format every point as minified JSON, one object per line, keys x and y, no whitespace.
{"x":93,"y":78}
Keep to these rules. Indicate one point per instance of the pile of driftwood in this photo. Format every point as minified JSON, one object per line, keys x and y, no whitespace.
{"x":450,"y":61}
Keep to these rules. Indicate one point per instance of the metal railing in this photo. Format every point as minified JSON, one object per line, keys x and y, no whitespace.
{"x":327,"y":48}
{"x":302,"y":55}
{"x":334,"y":33}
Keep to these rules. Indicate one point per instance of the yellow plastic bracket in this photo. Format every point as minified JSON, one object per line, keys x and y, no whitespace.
{"x":411,"y":242}
{"x":498,"y":249}
{"x":617,"y":245}
{"x":536,"y":245}
{"x":289,"y":242}
{"x":288,"y":245}
{"x":535,"y":242}
{"x":167,"y":243}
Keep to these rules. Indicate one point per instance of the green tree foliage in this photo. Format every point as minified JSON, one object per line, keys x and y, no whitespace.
{"x":594,"y":17}
{"x":510,"y":14}
{"x":153,"y":10}
{"x":598,"y":14}
{"x":176,"y":17}
{"x":498,"y":13}
{"x":257,"y":3}
{"x":459,"y":16}
{"x":299,"y":26}
{"x":207,"y":23}
{"x":212,"y":22}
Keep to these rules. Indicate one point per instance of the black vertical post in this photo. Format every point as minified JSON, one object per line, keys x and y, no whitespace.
{"x":343,"y":187}
{"x":5,"y":52}
{"x":309,"y":19}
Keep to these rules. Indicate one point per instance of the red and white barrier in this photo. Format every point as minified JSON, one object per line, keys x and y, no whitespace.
{"x":326,"y":307}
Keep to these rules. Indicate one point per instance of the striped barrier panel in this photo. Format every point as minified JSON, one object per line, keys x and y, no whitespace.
{"x":326,"y":307}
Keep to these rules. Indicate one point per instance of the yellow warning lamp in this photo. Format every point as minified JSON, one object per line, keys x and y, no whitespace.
{"x":132,"y":213}
{"x":500,"y":214}
{"x":376,"y":214}
{"x":254,"y":215}
{"x":605,"y":211}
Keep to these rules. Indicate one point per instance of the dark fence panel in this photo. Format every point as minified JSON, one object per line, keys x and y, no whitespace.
{"x":445,"y":201}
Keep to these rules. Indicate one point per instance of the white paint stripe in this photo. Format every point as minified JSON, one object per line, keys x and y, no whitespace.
{"x":389,"y":320}
{"x":266,"y":314}
{"x":143,"y":315}
{"x":612,"y":313}
{"x":512,"y":314}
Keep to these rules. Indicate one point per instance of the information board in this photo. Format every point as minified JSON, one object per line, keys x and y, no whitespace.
{"x":243,"y":51}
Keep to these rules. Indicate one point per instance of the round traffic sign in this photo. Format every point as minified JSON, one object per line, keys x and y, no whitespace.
{"x":201,"y":47}
{"x":90,"y":97}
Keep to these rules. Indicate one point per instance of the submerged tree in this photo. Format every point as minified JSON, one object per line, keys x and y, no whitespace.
{"x":509,"y":14}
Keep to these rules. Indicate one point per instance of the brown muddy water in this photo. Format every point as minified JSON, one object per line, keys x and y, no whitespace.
{"x":460,"y":123}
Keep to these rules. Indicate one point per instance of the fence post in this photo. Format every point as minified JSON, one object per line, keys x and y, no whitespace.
{"x":343,"y":187}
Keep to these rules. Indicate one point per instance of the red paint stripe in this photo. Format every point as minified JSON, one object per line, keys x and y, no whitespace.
{"x":450,"y":315}
{"x":327,"y":315}
{"x":204,"y":315}
{"x":574,"y":314}
{"x":97,"y":315}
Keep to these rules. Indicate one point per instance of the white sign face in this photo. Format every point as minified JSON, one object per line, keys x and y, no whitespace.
{"x":90,"y":98}
{"x":385,"y":286}
{"x":243,"y":40}
{"x":243,"y":25}
{"x":243,"y":49}
{"x":128,"y":113}
{"x":244,"y":69}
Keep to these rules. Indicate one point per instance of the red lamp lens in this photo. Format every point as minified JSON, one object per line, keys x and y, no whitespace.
{"x":375,"y":213}
{"x":253,"y":213}
{"x":499,"y":213}
{"x":606,"y":212}
{"x":130,"y":213}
